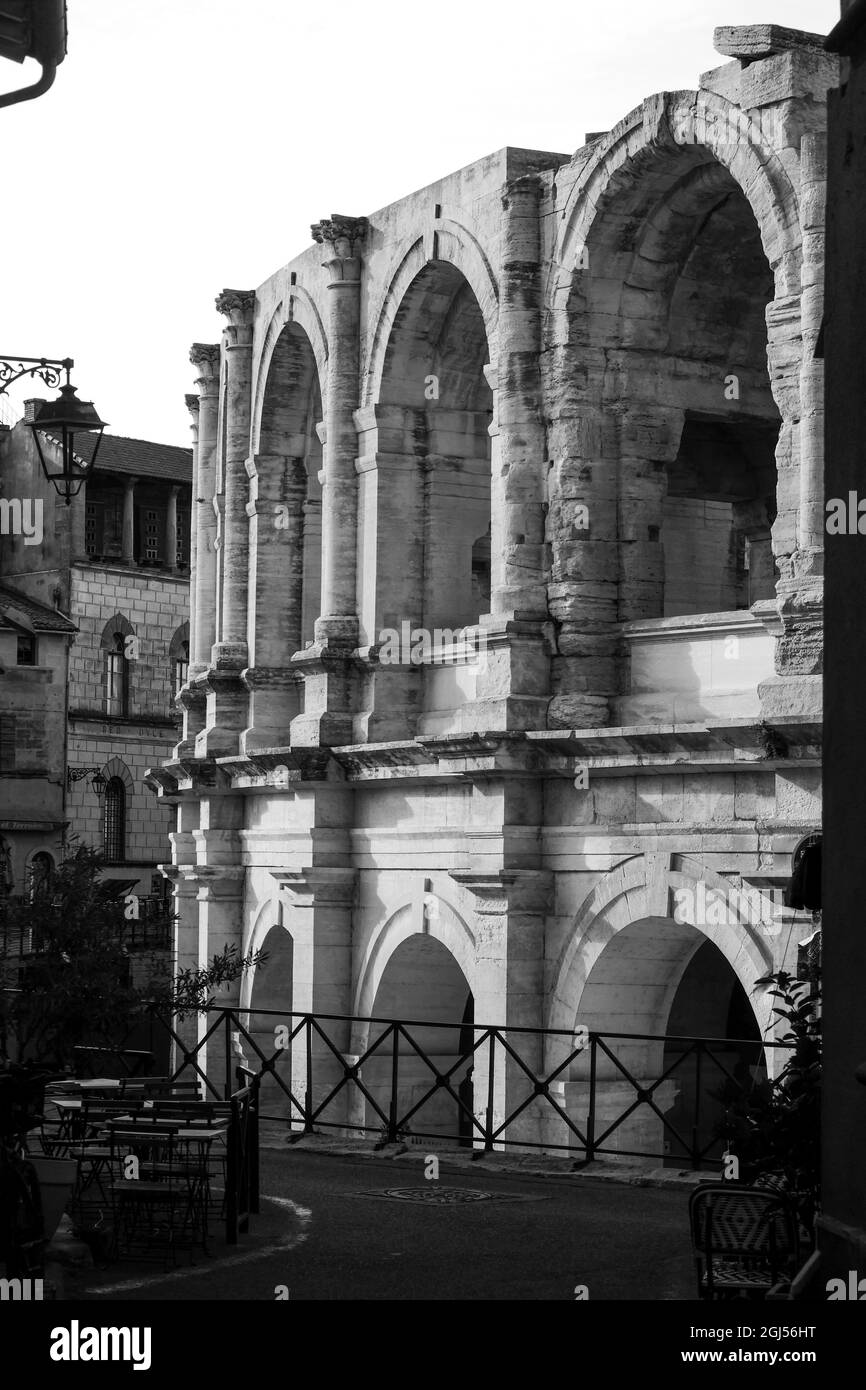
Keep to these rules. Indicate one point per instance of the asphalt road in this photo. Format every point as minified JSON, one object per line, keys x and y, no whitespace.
{"x":321,"y":1237}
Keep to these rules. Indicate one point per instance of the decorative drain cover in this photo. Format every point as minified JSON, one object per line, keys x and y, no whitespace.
{"x":434,"y":1195}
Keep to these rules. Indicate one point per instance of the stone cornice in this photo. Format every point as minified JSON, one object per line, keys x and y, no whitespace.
{"x":315,"y":887}
{"x":510,"y":890}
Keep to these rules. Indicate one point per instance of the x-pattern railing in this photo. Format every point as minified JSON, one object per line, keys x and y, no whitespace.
{"x":394,"y":1042}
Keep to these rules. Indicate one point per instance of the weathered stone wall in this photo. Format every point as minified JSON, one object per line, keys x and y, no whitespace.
{"x":583,"y":353}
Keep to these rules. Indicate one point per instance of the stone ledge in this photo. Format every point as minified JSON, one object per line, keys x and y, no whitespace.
{"x":750,"y":42}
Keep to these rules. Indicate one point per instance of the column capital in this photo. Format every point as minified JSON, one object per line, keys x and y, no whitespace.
{"x":192,"y":405}
{"x":342,"y":237}
{"x":340,"y":234}
{"x":239,"y":307}
{"x":206,"y":358}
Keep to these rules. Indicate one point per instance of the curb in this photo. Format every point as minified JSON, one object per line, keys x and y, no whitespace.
{"x":557,"y":1168}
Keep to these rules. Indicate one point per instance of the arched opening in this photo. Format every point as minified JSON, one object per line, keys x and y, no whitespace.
{"x":672,"y":424}
{"x":179,"y":658}
{"x":709,"y":1003}
{"x":272,"y":990}
{"x":41,"y":875}
{"x":691,"y":288}
{"x":433,"y":414}
{"x":654,"y":980}
{"x":117,"y":643}
{"x":288,"y":465}
{"x":423,"y":985}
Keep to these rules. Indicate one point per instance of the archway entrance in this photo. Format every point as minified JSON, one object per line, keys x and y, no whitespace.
{"x":709,"y":1003}
{"x":424,"y":986}
{"x":272,"y":990}
{"x":653,"y":981}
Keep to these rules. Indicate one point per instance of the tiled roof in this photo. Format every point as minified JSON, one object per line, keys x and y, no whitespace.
{"x":138,"y":457}
{"x":14,"y":606}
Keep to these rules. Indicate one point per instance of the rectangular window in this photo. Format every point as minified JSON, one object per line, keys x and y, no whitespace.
{"x":26,"y":649}
{"x":114,"y":684}
{"x":182,"y":557}
{"x":94,"y":527}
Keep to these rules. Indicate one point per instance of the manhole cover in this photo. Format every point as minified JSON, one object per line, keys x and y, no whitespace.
{"x":434,"y":1195}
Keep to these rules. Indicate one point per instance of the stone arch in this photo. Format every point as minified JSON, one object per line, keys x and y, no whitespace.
{"x":299,"y":307}
{"x":118,"y":626}
{"x":285,"y":519}
{"x":671,"y":121}
{"x":269,"y":915}
{"x":641,"y":889}
{"x":444,"y":923}
{"x":116,"y":767}
{"x":454,"y":245}
{"x":620,"y":973}
{"x":419,"y":968}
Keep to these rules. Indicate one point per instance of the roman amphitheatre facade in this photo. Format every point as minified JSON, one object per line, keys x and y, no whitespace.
{"x":564,"y":410}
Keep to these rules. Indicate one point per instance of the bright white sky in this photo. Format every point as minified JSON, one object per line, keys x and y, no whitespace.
{"x":187,"y":145}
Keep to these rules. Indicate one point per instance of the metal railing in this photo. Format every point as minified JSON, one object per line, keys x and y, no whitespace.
{"x":328,"y":1087}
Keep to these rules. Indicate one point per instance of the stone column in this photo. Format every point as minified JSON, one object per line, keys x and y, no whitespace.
{"x":227,"y":697}
{"x":329,"y":684}
{"x":239,"y":308}
{"x":128,"y":536}
{"x":191,"y":702}
{"x":583,"y":530}
{"x":206,"y":358}
{"x":510,"y":908}
{"x":278,"y":487}
{"x":319,"y":917}
{"x":513,"y":687}
{"x":171,"y":529}
{"x":518,"y":579}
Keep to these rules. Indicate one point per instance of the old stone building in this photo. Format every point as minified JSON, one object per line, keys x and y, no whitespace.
{"x":112,"y":572}
{"x":555,"y":420}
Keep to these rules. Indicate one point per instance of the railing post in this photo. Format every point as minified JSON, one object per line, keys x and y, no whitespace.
{"x":232,"y":1176}
{"x":395,"y":1065}
{"x":253,"y":1143}
{"x":308,"y":1092}
{"x":228,"y":1056}
{"x":696,"y":1163}
{"x":491,"y":1082}
{"x":590,"y":1118}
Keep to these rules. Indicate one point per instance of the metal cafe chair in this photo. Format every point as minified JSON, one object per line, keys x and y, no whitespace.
{"x":158,"y":1192}
{"x":744,"y":1240}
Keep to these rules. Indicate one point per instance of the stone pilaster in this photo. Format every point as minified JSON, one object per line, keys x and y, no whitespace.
{"x":319,"y":917}
{"x":509,"y":915}
{"x":327,"y":667}
{"x":278,"y":487}
{"x":797,"y":687}
{"x":227,"y":697}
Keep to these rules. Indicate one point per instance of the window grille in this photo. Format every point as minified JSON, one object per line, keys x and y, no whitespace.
{"x":114,"y":822}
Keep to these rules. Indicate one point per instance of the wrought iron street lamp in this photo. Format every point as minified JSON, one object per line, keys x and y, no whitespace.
{"x":75,"y":774}
{"x":60,"y":420}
